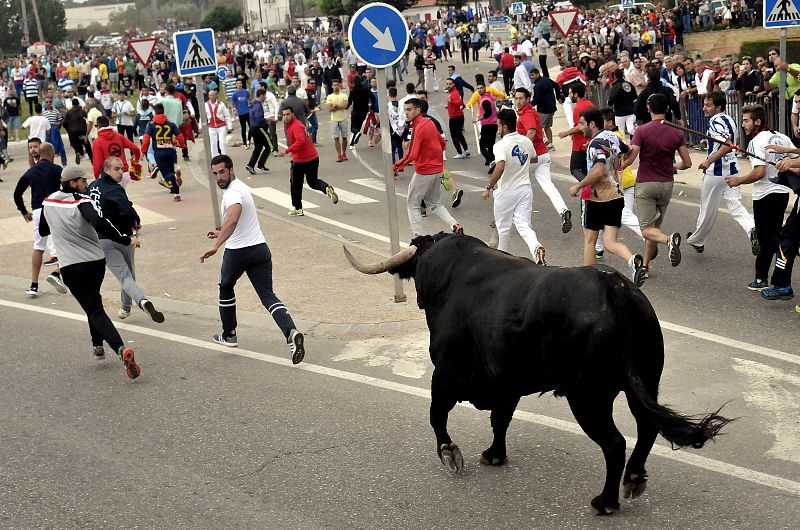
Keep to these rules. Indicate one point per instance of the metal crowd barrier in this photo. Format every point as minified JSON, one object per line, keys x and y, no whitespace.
{"x":694,"y":118}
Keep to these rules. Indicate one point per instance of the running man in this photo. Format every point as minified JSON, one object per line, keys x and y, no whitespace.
{"x":513,"y":197}
{"x":109,"y":194}
{"x":604,"y":200}
{"x":305,"y":162}
{"x":425,"y":149}
{"x":166,"y":136}
{"x":43,"y":178}
{"x":719,"y":164}
{"x":246,"y":251}
{"x":74,"y":220}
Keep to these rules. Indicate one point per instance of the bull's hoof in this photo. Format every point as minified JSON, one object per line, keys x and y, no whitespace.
{"x":488,"y":459}
{"x":634,"y":485}
{"x":451,"y":457}
{"x":599,"y":506}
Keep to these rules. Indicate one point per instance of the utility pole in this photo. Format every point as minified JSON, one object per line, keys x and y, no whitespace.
{"x":25,"y":23}
{"x":38,"y":22}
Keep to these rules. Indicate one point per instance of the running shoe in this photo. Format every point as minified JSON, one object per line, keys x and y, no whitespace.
{"x":330,"y":192}
{"x":230,"y":342}
{"x":131,"y":368}
{"x":52,"y":261}
{"x":296,"y":213}
{"x":457,"y":197}
{"x":423,"y":212}
{"x":674,"y":249}
{"x":755,"y":247}
{"x":33,"y":291}
{"x":599,"y":254}
{"x":778,"y":293}
{"x":494,"y":241}
{"x":177,"y":198}
{"x":154,"y":173}
{"x":492,"y":164}
{"x":265,"y":169}
{"x":636,"y":263}
{"x":538,"y":256}
{"x":250,"y":170}
{"x":123,"y":313}
{"x":165,"y":184}
{"x":99,"y":353}
{"x":460,"y":156}
{"x":457,"y":230}
{"x":55,"y":280}
{"x":295,"y":342}
{"x":698,"y":248}
{"x":148,"y":307}
{"x":566,"y":221}
{"x":246,"y":147}
{"x":77,"y":158}
{"x":467,"y":154}
{"x":757,"y":285}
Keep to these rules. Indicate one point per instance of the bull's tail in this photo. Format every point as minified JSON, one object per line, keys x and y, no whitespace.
{"x":679,"y":430}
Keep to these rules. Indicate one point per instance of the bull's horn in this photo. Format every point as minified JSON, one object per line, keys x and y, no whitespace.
{"x":381,"y":266}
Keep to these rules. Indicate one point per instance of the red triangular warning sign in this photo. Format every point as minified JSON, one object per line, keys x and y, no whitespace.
{"x":143,"y":49}
{"x":564,"y":20}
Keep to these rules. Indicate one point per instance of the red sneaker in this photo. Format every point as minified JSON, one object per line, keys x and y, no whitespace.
{"x":339,"y":157}
{"x":131,"y":368}
{"x":344,"y":156}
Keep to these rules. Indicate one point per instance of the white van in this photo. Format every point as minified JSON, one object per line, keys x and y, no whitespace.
{"x":644,"y":6}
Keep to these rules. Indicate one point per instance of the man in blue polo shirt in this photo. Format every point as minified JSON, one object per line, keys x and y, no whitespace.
{"x":240,"y":106}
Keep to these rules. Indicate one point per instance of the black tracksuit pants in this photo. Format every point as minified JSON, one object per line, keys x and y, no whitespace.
{"x":256,"y":261}
{"x":244,"y":121}
{"x":305,"y":171}
{"x":84,"y":281}
{"x":456,"y":125}
{"x":262,"y":147}
{"x":788,"y":241}
{"x":768,"y":215}
{"x":488,"y":138}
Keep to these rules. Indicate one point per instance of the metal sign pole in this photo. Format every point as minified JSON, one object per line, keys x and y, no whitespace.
{"x":391,"y":198}
{"x":212,"y":184}
{"x":782,"y":91}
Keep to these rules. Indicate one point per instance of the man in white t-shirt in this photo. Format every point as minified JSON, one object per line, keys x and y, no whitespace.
{"x":769,"y":199}
{"x":513,"y":198}
{"x":122,"y":112}
{"x":246,"y":251}
{"x":38,"y":125}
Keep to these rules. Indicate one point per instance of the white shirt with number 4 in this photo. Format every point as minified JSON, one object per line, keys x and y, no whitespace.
{"x":515,"y":151}
{"x":247,"y":232}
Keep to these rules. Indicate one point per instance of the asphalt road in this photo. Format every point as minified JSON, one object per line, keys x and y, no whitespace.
{"x":210,"y":437}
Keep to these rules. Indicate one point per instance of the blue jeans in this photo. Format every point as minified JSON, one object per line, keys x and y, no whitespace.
{"x":687,"y":23}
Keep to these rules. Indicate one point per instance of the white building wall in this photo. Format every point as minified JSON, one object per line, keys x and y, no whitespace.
{"x":267,"y":14}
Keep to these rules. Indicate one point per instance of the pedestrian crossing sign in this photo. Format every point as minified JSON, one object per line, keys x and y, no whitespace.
{"x":781,"y":13}
{"x":195,"y":52}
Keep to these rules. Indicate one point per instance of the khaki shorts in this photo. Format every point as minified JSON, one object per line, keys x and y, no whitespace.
{"x":339,"y":129}
{"x":652,"y":200}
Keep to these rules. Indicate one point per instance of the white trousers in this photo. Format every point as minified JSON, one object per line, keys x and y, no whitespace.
{"x":218,"y":137}
{"x":541,"y":172}
{"x":426,"y":187}
{"x":713,"y":191}
{"x":514,"y":207}
{"x":629,"y":218}
{"x":431,"y":82}
{"x":626,"y":124}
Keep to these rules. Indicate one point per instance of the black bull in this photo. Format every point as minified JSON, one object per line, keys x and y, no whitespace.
{"x":502,"y":327}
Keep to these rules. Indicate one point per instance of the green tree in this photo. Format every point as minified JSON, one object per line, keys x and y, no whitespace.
{"x":51,"y":14}
{"x":337,"y":8}
{"x":223,"y":18}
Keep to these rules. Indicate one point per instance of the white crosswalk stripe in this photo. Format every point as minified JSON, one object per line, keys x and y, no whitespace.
{"x":375,"y":184}
{"x":346,"y":196}
{"x":280,"y":198}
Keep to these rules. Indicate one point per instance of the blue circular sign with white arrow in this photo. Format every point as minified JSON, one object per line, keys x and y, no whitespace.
{"x":378,"y":34}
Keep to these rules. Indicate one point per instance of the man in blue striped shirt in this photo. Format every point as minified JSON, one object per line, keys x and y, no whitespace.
{"x":719,"y":164}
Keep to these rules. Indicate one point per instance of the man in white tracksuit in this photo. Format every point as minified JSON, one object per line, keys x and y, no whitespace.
{"x":720,"y":164}
{"x":219,"y":123}
{"x":513,"y":198}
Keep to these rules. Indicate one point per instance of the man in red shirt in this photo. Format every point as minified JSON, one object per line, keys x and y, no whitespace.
{"x":577,"y":159}
{"x":305,"y":163}
{"x":425,"y":149}
{"x":455,"y":113}
{"x":110,"y":143}
{"x":530,"y":124}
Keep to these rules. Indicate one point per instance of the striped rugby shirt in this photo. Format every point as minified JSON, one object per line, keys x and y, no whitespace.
{"x":723,"y":128}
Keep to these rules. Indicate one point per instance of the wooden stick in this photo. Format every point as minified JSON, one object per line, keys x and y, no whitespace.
{"x":709,"y":138}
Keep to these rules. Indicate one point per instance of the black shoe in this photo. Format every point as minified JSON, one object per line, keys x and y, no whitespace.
{"x":486,"y":163}
{"x":147,"y":306}
{"x":262,"y":168}
{"x":674,"y":249}
{"x":491,"y":167}
{"x":52,"y":261}
{"x":599,"y":254}
{"x":250,"y":170}
{"x":566,"y":221}
{"x":186,"y":158}
{"x":77,"y":158}
{"x":99,"y":353}
{"x":424,"y":212}
{"x":755,"y":246}
{"x":757,"y":285}
{"x":230,"y":342}
{"x":295,"y":342}
{"x":698,"y":248}
{"x":457,"y":197}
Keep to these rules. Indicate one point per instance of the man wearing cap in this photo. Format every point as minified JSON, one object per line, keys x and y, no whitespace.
{"x":74,"y":221}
